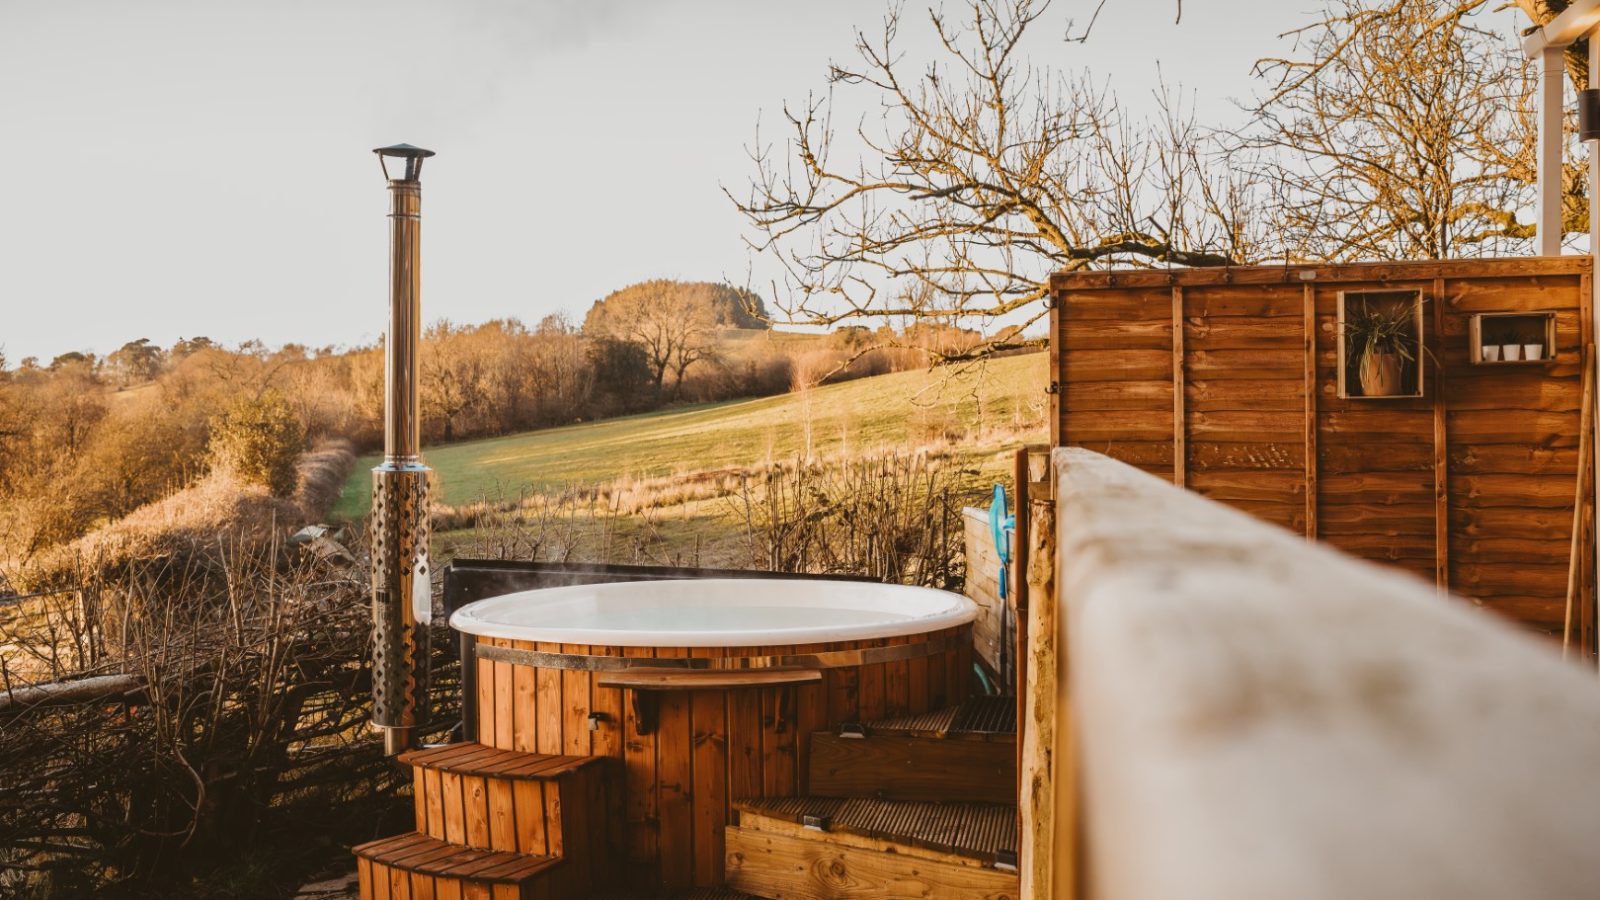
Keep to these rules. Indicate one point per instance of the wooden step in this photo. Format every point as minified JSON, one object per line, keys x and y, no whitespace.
{"x":680,"y":894}
{"x":982,"y":834}
{"x":973,"y":719}
{"x":411,"y":866}
{"x":529,"y":803}
{"x":470,"y":758}
{"x":891,"y":766}
{"x":872,"y":849}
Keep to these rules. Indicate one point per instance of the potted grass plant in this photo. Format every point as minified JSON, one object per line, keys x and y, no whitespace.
{"x":1382,"y":342}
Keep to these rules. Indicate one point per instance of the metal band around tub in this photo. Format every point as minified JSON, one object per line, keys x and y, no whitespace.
{"x":831,"y":659}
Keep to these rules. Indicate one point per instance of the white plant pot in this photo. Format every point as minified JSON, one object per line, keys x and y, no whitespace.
{"x":1533,"y":351}
{"x":1511,"y":352}
{"x":1491,"y":352}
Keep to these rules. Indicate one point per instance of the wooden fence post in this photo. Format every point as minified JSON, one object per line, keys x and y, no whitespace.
{"x":1048,"y":785}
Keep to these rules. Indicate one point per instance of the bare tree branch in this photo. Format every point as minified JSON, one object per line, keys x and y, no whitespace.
{"x":1406,"y":130}
{"x":979,"y":175}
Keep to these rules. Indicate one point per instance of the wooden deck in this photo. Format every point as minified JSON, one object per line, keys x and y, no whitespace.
{"x":974,"y":719}
{"x":982,"y":833}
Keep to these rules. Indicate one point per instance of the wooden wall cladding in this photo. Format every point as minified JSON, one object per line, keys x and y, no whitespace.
{"x":1224,"y":381}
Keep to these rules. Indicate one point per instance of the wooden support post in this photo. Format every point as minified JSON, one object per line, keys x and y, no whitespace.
{"x":1587,"y":587}
{"x":1576,"y":554}
{"x":1548,"y":157}
{"x":1180,"y":456}
{"x":1311,"y":410}
{"x":1441,"y":446}
{"x":1594,"y":338}
{"x":1057,"y":348}
{"x":1049,"y":859}
{"x":1022,"y":478}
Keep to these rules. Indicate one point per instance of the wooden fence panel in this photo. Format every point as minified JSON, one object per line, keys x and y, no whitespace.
{"x":1226,"y":382}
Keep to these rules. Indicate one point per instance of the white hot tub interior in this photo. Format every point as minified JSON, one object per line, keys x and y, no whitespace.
{"x":715,"y":612}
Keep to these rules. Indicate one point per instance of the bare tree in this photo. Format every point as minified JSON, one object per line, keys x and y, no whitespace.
{"x":1405,"y":131}
{"x":1356,"y":18}
{"x":1418,"y":104}
{"x":978,"y":175}
{"x":452,"y":373}
{"x":674,"y":323}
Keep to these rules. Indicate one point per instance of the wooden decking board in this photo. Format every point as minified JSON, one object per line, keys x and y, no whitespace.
{"x":493,"y":868}
{"x":987,"y":716}
{"x":421,"y":854}
{"x":477,"y":760}
{"x":537,"y":766}
{"x":789,"y":809}
{"x":934,"y":826}
{"x":468,"y":756}
{"x":974,"y":831}
{"x":435,"y":855}
{"x":505,"y":762}
{"x":687,"y":894}
{"x":386,"y":848}
{"x":976,"y":718}
{"x":775,"y":864}
{"x":420,"y":755}
{"x":992,"y":829}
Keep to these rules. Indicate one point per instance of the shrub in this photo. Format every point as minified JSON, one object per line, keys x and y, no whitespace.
{"x":258,"y":439}
{"x":892,"y":516}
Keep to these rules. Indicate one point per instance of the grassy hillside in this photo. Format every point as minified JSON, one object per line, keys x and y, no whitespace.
{"x":903,"y":410}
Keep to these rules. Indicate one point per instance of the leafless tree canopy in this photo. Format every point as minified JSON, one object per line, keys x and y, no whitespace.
{"x":1402,"y":130}
{"x":979,"y":174}
{"x":1393,"y":129}
{"x":676,"y":324}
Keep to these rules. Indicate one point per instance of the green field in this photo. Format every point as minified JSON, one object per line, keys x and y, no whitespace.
{"x":905,"y":410}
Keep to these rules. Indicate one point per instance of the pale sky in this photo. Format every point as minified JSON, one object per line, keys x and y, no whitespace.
{"x":175,"y":168}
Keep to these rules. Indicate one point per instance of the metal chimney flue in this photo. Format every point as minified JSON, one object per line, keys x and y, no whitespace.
{"x":402,"y":595}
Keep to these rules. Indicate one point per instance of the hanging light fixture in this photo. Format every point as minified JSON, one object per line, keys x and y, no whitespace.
{"x":1589,"y":115}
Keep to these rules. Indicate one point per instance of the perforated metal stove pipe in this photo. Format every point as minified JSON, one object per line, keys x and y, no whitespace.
{"x":402,"y":597}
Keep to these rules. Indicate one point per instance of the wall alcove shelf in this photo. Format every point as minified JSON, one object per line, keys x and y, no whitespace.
{"x":1358,"y":311}
{"x":1496,"y":330}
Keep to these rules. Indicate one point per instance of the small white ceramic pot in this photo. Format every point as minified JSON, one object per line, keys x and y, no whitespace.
{"x":1491,"y":352}
{"x":1511,"y":352}
{"x":1533,"y":351}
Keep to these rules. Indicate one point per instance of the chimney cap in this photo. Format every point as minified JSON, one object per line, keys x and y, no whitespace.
{"x":404,"y":150}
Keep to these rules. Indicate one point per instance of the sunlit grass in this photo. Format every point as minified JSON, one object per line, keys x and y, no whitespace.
{"x":899,"y":411}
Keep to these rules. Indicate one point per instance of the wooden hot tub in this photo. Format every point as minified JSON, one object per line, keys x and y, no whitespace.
{"x":704,"y":691}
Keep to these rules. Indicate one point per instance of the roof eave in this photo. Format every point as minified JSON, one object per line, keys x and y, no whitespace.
{"x":1577,"y":20}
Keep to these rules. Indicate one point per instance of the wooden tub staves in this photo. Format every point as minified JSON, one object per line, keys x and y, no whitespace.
{"x":685,"y":727}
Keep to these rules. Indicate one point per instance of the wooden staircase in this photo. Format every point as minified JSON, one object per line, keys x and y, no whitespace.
{"x":921,"y":806}
{"x":496,"y":825}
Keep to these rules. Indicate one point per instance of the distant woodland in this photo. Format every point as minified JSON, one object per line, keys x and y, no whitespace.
{"x":87,"y":439}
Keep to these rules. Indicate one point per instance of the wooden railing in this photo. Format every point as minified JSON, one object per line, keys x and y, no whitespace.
{"x":1219,"y":709}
